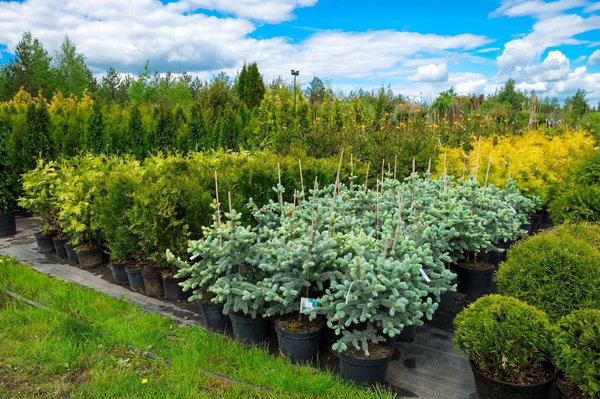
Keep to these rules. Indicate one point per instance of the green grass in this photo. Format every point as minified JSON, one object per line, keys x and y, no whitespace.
{"x":46,"y":353}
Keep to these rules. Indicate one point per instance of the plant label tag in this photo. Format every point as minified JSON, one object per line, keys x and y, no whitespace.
{"x":194,"y":256}
{"x":425,"y":276}
{"x":307,"y":304}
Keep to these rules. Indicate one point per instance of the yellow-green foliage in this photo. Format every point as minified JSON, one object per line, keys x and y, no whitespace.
{"x":539,"y":163}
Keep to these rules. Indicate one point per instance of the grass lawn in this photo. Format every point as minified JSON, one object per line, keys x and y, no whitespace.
{"x":46,"y":353}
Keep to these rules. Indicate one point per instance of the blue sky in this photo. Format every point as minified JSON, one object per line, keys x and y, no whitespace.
{"x":417,"y":48}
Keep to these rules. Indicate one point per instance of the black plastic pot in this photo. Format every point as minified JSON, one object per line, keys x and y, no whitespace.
{"x":173,"y":291}
{"x":408,"y":334}
{"x":90,"y":258}
{"x":119,"y":273}
{"x":59,"y":247}
{"x":71,"y":255}
{"x":488,"y":388}
{"x":248,"y":330}
{"x":300,"y":348}
{"x":136,"y":281}
{"x":44,"y":243}
{"x":153,"y":284}
{"x":474,"y":282}
{"x":8,"y":224}
{"x":214,"y":319}
{"x":562,"y":394}
{"x":364,"y":371}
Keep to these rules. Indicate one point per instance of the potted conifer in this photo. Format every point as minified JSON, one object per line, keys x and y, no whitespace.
{"x":40,"y":196}
{"x":576,"y":352}
{"x":507,"y":342}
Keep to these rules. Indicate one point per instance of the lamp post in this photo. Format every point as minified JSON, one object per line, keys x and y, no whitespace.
{"x":294,"y":74}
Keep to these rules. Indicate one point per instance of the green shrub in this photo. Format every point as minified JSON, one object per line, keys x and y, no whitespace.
{"x":579,"y":199}
{"x":80,"y":187}
{"x":576,"y":349}
{"x":41,"y":194}
{"x":553,"y":271}
{"x":112,"y":208}
{"x":503,"y":336}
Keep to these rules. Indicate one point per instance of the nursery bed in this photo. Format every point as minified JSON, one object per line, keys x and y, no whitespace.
{"x":429,"y":367}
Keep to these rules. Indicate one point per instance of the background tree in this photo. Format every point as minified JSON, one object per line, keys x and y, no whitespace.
{"x":30,"y":69}
{"x":72,"y":74}
{"x":250,"y":86}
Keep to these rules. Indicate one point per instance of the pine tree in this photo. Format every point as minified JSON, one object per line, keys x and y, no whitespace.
{"x":30,"y":69}
{"x":94,"y":132}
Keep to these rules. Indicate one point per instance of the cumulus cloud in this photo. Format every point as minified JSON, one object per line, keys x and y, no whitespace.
{"x":430,"y":73}
{"x":522,"y":53}
{"x":594,"y":58}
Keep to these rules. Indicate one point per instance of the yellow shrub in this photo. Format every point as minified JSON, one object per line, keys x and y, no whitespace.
{"x":537,"y":162}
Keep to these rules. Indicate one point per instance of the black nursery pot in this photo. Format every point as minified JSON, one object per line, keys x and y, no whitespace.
{"x":488,"y":388}
{"x":214,"y":319}
{"x":367,"y":372}
{"x":299,"y":347}
{"x":119,"y":273}
{"x":135,"y":279}
{"x":8,"y":224}
{"x":153,"y":284}
{"x":90,"y":258}
{"x":71,"y":255}
{"x":44,"y":242}
{"x":173,"y":291}
{"x":59,"y":247}
{"x":475,"y":282}
{"x":408,"y":334}
{"x":251,"y":331}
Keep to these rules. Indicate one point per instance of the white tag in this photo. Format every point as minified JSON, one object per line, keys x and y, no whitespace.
{"x":512,"y":209}
{"x":194,"y":256}
{"x":307,"y":304}
{"x":425,"y":276}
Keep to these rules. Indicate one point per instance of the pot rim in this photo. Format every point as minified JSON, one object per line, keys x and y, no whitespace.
{"x":548,"y":381}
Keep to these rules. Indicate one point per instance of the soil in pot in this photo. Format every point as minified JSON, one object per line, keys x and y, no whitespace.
{"x":249,"y":330}
{"x":44,"y":242}
{"x":89,"y":255}
{"x":173,"y":291}
{"x":71,"y":255}
{"x":298,"y":337}
{"x":214,"y":319}
{"x":534,"y":384}
{"x":568,"y":390}
{"x":134,"y":277}
{"x":8,"y":224}
{"x":152,"y":281}
{"x":475,"y":278}
{"x":366,"y":370}
{"x":119,"y":273}
{"x":59,"y":246}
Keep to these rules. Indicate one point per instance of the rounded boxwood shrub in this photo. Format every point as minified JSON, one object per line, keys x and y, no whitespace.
{"x":579,"y":199}
{"x":576,"y":349}
{"x":555,"y":271}
{"x":506,"y":338}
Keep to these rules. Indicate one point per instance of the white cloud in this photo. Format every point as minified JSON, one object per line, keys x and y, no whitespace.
{"x":594,"y":58}
{"x":536,"y":8}
{"x":521,"y":54}
{"x":430,"y":73}
{"x":262,"y":10}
